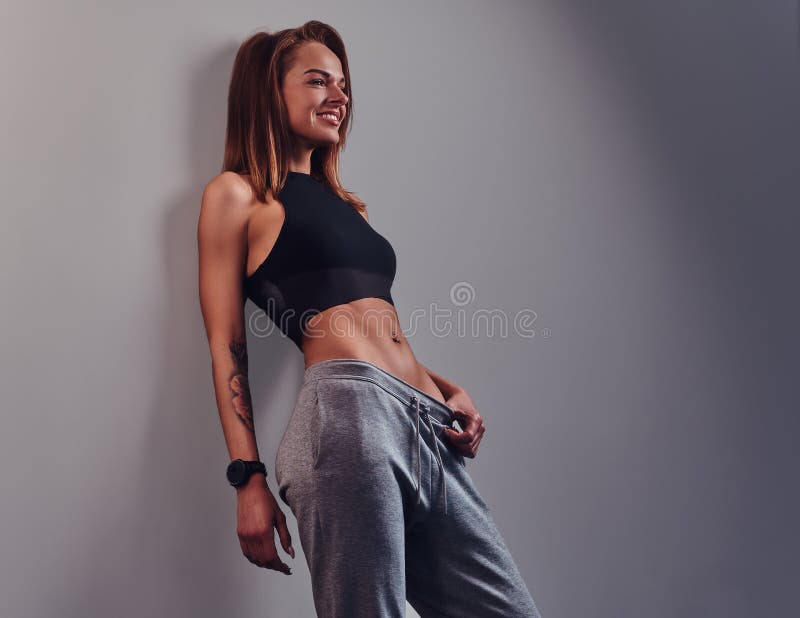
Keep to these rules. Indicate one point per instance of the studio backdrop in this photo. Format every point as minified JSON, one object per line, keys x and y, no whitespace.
{"x":594,"y":211}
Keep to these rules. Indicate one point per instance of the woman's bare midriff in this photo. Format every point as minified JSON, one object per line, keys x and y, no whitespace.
{"x":366,"y":329}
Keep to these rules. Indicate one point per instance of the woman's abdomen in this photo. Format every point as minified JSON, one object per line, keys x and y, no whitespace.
{"x":367,"y":329}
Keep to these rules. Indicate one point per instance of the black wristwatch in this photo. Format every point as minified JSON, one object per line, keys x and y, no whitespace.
{"x":239,"y":471}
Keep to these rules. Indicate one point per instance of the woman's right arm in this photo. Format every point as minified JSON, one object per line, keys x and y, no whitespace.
{"x":222,"y":256}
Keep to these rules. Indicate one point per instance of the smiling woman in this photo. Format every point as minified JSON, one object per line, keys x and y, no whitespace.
{"x":370,"y":463}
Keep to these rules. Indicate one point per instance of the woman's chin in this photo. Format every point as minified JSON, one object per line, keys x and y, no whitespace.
{"x":327,"y":142}
{"x":317,"y":138}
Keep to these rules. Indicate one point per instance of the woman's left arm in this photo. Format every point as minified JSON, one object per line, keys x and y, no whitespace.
{"x":447,"y":387}
{"x":466,"y":441}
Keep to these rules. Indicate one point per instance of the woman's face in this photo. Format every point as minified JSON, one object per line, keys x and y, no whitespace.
{"x":313,"y":85}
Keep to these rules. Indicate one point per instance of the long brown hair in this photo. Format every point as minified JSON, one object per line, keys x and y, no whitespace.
{"x":257,"y":137}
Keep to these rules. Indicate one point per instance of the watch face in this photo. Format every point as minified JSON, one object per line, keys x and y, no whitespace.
{"x":236,"y":472}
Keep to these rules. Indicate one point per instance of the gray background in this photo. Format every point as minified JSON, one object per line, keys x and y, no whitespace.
{"x":625,"y":169}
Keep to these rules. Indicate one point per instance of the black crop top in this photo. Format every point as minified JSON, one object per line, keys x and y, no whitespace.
{"x":326,"y":254}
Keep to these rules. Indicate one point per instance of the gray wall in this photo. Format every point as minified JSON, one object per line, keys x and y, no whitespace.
{"x":623,"y":169}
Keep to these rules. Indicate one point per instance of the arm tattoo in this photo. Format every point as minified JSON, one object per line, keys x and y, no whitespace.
{"x":240,"y":387}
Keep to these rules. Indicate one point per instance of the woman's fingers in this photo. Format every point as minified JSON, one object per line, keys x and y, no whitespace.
{"x":466,"y":441}
{"x":477,"y":440}
{"x":267,"y":556}
{"x":462,"y":440}
{"x":458,"y":437}
{"x":283,"y":533}
{"x":261,"y":551}
{"x":279,"y":565}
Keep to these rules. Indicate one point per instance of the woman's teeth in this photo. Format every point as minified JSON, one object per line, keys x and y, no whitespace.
{"x":330,"y":118}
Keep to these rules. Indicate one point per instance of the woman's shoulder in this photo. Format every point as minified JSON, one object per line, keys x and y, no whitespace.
{"x":231,"y":188}
{"x":227,"y":204}
{"x":239,"y":187}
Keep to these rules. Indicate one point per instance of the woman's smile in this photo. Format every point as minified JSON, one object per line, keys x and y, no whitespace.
{"x":330,"y":118}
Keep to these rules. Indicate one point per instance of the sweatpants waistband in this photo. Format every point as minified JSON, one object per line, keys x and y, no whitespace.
{"x":438,"y":412}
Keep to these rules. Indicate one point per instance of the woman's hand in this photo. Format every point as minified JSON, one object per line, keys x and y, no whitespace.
{"x":257,"y":514}
{"x":465,"y":441}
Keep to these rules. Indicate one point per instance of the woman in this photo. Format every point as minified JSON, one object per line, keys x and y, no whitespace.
{"x":369,"y":463}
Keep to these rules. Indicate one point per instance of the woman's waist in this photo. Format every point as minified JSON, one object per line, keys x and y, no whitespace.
{"x":404,"y":386}
{"x":397,"y":359}
{"x":367,"y":332}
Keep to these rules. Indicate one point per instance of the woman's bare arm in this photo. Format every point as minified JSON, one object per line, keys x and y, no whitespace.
{"x":447,"y":387}
{"x":222,"y":252}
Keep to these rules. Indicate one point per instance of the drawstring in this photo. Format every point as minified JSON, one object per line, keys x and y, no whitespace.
{"x":416,"y":401}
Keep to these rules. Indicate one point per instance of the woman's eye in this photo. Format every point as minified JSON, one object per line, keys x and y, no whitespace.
{"x":321,"y":82}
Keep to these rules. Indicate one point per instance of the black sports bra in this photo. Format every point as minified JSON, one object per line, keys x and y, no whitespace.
{"x":326,"y":254}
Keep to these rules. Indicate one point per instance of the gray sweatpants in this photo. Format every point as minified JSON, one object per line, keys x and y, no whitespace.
{"x":385,"y":508}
